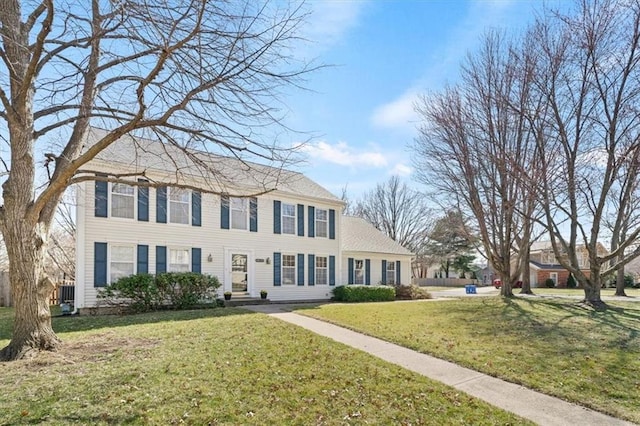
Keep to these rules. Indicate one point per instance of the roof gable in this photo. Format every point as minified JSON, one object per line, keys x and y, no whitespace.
{"x":360,"y":235}
{"x":215,"y":172}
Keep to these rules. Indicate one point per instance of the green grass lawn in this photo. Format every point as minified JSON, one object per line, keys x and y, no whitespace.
{"x":631,"y":292}
{"x":555,"y":346}
{"x":221,"y":366}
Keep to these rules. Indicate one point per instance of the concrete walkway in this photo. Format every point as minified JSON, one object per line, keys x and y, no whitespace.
{"x":537,"y":407}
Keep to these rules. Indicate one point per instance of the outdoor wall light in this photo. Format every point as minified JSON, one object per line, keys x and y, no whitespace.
{"x":209,"y":258}
{"x":268,"y":261}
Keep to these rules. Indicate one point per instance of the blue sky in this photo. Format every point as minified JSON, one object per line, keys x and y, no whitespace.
{"x":383,"y":54}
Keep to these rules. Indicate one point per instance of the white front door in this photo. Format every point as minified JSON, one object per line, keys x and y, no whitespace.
{"x":238,"y":271}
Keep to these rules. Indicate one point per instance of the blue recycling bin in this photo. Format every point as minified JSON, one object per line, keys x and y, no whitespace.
{"x":470,"y":289}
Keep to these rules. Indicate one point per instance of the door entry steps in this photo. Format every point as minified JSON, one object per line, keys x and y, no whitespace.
{"x":245,"y":300}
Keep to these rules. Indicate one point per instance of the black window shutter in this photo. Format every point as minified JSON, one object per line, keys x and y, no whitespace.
{"x":300,"y":269}
{"x":161,"y":259}
{"x":277,"y":206}
{"x":196,"y":260}
{"x":224,"y":212}
{"x":143,"y":259}
{"x":332,"y":270}
{"x":277,"y":272}
{"x":332,"y":224}
{"x":253,"y":214}
{"x":161,"y":204}
{"x":367,"y":272}
{"x":101,"y":197}
{"x":300,"y":220}
{"x":312,"y":221}
{"x":384,"y":272}
{"x":99,"y":264}
{"x":143,"y":202}
{"x":196,"y":208}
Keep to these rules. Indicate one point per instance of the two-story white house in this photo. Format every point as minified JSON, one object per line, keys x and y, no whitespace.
{"x":255,"y":227}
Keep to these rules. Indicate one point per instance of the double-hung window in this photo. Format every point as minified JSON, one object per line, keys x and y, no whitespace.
{"x":239,"y":212}
{"x":178,"y":205}
{"x":179,"y":260}
{"x":322,"y":223}
{"x":122,"y":262}
{"x":288,"y":269}
{"x":321,"y":270}
{"x":122,"y":200}
{"x":391,"y":272}
{"x":358,"y":271}
{"x":288,"y":218}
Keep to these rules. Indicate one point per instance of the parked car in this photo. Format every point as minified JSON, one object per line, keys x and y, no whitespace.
{"x":497,"y":283}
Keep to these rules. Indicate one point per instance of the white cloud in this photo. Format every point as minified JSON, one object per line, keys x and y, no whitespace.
{"x":397,"y":113}
{"x":329,"y":21}
{"x":344,"y":155}
{"x":401,"y":170}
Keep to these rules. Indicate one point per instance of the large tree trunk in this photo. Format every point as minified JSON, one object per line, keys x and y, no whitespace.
{"x":526,"y":275}
{"x":620,"y":280}
{"x":592,"y":287}
{"x":30,"y":290}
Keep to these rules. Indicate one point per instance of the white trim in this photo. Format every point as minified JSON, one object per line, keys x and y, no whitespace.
{"x":175,"y":248}
{"x":295,"y":218}
{"x":226,"y":284}
{"x":189,"y":203}
{"x":110,"y":246}
{"x":80,"y":194}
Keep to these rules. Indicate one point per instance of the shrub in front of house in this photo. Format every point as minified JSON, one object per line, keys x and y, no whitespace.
{"x":549,"y":283}
{"x":411,"y":292}
{"x":145,"y":292}
{"x":363,"y":293}
{"x":571,"y":281}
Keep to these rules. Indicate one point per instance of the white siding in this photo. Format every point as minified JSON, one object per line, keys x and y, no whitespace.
{"x":211,"y":239}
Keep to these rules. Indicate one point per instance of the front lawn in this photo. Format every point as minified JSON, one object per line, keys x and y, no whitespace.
{"x":222,"y":366}
{"x":555,"y":346}
{"x":631,"y":292}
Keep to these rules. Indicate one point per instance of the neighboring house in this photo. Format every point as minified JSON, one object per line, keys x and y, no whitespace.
{"x":370,"y":256}
{"x":544,"y":265}
{"x":286,"y":240}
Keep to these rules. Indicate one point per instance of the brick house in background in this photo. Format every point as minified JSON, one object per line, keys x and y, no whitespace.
{"x":544,"y":265}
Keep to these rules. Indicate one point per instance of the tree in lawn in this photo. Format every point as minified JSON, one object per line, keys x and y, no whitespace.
{"x":474,"y":151}
{"x":400,"y":212}
{"x":588,"y":71}
{"x":192,"y":73}
{"x":450,"y":243}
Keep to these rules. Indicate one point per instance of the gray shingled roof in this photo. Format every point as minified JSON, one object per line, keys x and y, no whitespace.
{"x":360,"y":235}
{"x":219,"y":172}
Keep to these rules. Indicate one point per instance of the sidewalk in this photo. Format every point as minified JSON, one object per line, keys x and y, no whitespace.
{"x":537,"y":407}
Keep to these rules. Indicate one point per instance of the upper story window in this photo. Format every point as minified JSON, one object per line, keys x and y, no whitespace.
{"x":179,"y":260}
{"x":322,"y":223}
{"x":178,"y":205}
{"x":239,"y":212}
{"x":358,"y":271}
{"x":122,"y":262}
{"x":288,"y":218}
{"x":391,"y":272}
{"x":549,"y":258}
{"x":321,"y":270}
{"x":122,"y":200}
{"x":288,"y":269}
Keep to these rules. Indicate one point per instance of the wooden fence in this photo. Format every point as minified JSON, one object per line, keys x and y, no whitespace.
{"x":445,"y":282}
{"x":63,"y":292}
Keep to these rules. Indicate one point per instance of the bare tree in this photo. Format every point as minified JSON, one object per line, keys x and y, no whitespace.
{"x":397,"y":210}
{"x":588,"y":71}
{"x":474,"y":150}
{"x":192,"y":73}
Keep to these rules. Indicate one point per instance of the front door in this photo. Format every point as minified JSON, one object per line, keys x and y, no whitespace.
{"x":239,"y":272}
